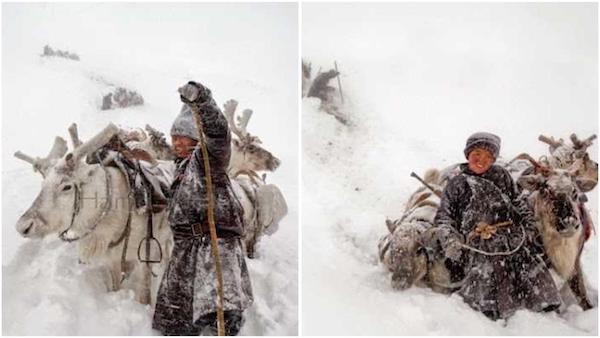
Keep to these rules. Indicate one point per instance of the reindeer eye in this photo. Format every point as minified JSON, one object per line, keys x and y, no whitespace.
{"x":67,"y":187}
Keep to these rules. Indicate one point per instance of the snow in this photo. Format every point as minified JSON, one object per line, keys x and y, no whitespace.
{"x":242,"y":51}
{"x":418,"y":79}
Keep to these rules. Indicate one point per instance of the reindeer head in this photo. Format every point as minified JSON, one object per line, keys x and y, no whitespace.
{"x":247,"y":153}
{"x":565,"y":156}
{"x":404,"y":254}
{"x":555,"y":197}
{"x":53,"y":208}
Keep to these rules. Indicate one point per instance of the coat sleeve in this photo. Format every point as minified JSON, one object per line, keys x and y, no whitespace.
{"x":448,"y":217}
{"x":218,"y":136}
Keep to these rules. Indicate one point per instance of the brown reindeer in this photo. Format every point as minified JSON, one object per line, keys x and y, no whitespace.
{"x":565,"y":156}
{"x":554,"y":198}
{"x":404,"y":249}
{"x":264,"y":205}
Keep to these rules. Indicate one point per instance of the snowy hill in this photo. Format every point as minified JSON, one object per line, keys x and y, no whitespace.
{"x":152,"y":49}
{"x":418,"y":80}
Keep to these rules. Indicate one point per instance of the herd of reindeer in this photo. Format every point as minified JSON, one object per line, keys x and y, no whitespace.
{"x":89,"y":201}
{"x":110,"y":235}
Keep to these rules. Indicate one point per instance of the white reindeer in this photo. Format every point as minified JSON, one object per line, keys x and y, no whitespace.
{"x":89,"y":204}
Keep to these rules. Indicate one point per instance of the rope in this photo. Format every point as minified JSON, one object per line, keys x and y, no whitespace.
{"x":499,"y":253}
{"x":211,"y":222}
{"x":459,"y":284}
{"x":126,"y":233}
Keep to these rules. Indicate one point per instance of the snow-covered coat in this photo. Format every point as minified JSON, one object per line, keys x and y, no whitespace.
{"x":497,"y":285}
{"x":188,"y":288}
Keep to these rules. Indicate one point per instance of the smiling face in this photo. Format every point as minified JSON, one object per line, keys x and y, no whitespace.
{"x":183,"y":146}
{"x":480,"y":160}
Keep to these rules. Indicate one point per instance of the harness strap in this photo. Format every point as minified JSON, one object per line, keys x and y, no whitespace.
{"x":77,"y":206}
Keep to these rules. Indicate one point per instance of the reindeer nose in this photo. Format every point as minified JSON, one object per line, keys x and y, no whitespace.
{"x":26,"y":231}
{"x":25,"y":225}
{"x":275,"y":163}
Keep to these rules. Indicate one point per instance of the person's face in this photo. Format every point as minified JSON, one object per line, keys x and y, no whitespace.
{"x":480,"y":160}
{"x":183,"y":146}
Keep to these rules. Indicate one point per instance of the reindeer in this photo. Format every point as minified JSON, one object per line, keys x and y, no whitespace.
{"x":554,"y":196}
{"x":564,"y":156}
{"x":264,"y":205}
{"x":306,"y":75}
{"x":404,"y":249}
{"x":89,"y":204}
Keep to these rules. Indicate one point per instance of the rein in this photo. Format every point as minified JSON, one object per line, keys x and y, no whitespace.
{"x":77,"y":206}
{"x":499,"y":253}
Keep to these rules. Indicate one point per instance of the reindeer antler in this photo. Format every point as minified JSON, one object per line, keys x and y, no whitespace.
{"x":239,"y":128}
{"x":59,"y":149}
{"x":74,"y":135}
{"x":26,"y":158}
{"x":537,"y":165}
{"x":551,"y":141}
{"x":582,"y":145}
{"x":95,"y":142}
{"x":229,"y":111}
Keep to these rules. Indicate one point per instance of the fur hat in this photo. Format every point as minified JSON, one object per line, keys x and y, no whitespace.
{"x":185,"y":124}
{"x":484,"y":140}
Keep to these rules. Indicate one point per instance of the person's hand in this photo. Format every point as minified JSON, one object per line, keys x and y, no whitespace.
{"x":190,"y":92}
{"x":453,"y":249}
{"x":194,"y":92}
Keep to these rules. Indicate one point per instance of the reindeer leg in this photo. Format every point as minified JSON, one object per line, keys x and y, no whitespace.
{"x":143,"y":295}
{"x":577,"y":286}
{"x":115,"y":277}
{"x":249,"y":244}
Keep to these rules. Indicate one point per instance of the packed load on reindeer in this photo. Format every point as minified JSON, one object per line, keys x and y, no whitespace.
{"x":552,"y":187}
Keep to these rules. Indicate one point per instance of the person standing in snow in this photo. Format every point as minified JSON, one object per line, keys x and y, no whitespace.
{"x":320,"y":87}
{"x":187,"y":298}
{"x":500,"y":271}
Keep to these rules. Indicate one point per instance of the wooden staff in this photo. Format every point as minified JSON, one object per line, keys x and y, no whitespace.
{"x":339,"y":82}
{"x":437,"y":193}
{"x":211,"y":220}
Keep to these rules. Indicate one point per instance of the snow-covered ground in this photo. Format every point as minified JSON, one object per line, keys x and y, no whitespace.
{"x":242,"y":51}
{"x":418,"y":80}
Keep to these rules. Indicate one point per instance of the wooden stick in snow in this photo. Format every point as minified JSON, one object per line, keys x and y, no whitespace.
{"x":339,"y":82}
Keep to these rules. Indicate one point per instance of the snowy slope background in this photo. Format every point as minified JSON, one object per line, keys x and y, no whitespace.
{"x":418,"y":80}
{"x":244,"y":51}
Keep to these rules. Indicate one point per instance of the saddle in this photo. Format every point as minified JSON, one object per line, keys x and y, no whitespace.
{"x":147,"y":179}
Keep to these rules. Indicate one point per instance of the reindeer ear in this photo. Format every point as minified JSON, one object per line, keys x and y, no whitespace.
{"x":70,"y":161}
{"x":530,"y":182}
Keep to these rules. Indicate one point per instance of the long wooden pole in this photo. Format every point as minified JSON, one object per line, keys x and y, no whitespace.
{"x":211,"y":222}
{"x":339,"y":81}
{"x":437,"y":193}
